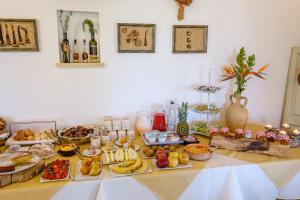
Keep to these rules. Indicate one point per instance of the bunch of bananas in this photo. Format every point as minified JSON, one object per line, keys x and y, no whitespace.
{"x":131,"y":166}
{"x":119,"y":156}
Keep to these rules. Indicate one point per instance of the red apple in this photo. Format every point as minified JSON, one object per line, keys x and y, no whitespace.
{"x":162,"y":163}
{"x":161,"y":154}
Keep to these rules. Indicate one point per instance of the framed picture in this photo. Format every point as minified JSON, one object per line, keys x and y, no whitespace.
{"x":190,"y":39}
{"x":18,"y":35}
{"x":136,"y":38}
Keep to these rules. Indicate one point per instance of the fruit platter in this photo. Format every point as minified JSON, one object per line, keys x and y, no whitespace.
{"x":165,"y":160}
{"x":88,"y":168}
{"x":11,"y":163}
{"x":57,"y":170}
{"x":130,"y":167}
{"x":77,"y":134}
{"x":161,"y":138}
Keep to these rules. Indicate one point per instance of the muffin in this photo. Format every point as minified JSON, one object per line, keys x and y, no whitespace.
{"x":248,"y":134}
{"x":284,"y":139}
{"x":260,"y":135}
{"x":271,"y":136}
{"x":225,"y":131}
{"x":213,"y":131}
{"x":239,"y":133}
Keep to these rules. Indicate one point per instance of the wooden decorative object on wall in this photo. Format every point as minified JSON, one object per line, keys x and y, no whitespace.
{"x":181,"y":4}
{"x":190,"y":38}
{"x":136,"y":38}
{"x":18,"y":35}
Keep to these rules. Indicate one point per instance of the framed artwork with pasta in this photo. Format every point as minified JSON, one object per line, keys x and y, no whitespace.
{"x":136,"y":38}
{"x":18,"y":35}
{"x":190,"y":38}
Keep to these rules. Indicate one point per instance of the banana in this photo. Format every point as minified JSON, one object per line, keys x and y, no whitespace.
{"x":122,"y":156}
{"x":136,"y":165}
{"x":143,"y":168}
{"x":106,"y":157}
{"x":112,"y":157}
{"x":126,"y":163}
{"x":126,"y":155}
{"x":121,"y":170}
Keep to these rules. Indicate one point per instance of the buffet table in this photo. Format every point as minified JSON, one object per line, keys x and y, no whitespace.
{"x":227,"y":175}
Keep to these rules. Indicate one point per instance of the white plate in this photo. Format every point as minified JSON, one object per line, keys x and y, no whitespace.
{"x":86,"y":153}
{"x":115,"y":148}
{"x":113,"y":174}
{"x":170,"y":168}
{"x":43,"y":180}
{"x":35,"y":159}
{"x":79,"y":176}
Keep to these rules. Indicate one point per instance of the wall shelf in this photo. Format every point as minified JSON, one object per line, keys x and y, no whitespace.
{"x":79,"y":64}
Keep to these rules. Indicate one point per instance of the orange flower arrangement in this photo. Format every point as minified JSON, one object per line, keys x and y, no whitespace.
{"x":243,"y":71}
{"x":181,"y":4}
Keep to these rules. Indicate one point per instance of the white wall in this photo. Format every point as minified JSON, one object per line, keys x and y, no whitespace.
{"x":32,"y":87}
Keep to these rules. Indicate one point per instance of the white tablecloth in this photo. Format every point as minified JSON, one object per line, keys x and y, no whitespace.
{"x":239,"y":182}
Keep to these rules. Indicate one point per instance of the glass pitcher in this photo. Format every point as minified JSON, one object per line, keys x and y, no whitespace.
{"x":143,"y":122}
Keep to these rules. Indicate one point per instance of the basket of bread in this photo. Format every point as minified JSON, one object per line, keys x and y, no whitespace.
{"x":198,"y":151}
{"x":77,"y":134}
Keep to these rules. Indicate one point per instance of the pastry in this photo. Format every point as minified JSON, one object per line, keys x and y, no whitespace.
{"x":239,"y":133}
{"x":24,"y":135}
{"x":284,"y":139}
{"x":261,"y":135}
{"x":271,"y":136}
{"x":42,"y":150}
{"x":213,"y":131}
{"x":2,"y":125}
{"x":6,"y":166}
{"x":22,"y":159}
{"x":225,"y":131}
{"x":77,"y":132}
{"x":90,"y":167}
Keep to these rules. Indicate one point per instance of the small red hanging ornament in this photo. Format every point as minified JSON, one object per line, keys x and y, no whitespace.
{"x":181,"y":4}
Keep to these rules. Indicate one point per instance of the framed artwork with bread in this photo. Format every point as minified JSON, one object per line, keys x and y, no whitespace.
{"x":18,"y":35}
{"x":190,"y":38}
{"x":136,"y":38}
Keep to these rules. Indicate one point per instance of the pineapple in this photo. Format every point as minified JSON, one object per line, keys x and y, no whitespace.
{"x":182,"y":126}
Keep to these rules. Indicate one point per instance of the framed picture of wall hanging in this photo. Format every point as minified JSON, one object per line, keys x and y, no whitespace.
{"x":190,"y":38}
{"x":136,"y":38}
{"x":78,"y":38}
{"x":18,"y":35}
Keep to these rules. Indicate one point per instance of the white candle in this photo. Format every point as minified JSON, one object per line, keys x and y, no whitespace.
{"x":268,"y":126}
{"x":282,"y":132}
{"x":296,"y":132}
{"x":285,"y":125}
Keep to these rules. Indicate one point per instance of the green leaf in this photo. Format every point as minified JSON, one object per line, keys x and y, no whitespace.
{"x":251,"y":61}
{"x":241,"y":57}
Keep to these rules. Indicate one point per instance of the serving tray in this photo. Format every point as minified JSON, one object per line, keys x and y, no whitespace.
{"x":157,"y":143}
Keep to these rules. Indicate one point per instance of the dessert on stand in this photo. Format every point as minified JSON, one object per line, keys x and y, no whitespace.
{"x":208,"y":109}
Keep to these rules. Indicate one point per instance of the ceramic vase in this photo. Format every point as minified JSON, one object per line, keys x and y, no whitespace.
{"x":236,"y":115}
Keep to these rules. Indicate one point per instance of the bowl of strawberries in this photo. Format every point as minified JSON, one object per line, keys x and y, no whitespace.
{"x":56,"y":170}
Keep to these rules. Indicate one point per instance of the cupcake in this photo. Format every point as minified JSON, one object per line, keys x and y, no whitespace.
{"x":284,"y":139}
{"x":260,"y":135}
{"x":239,"y":133}
{"x":271,"y":136}
{"x":248,"y":134}
{"x":225,"y":131}
{"x":213,"y":131}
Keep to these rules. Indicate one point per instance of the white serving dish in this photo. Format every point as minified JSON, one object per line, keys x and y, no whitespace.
{"x":35,"y":160}
{"x":79,"y":176}
{"x":157,"y":143}
{"x":86,"y":153}
{"x":114,"y":175}
{"x":170,"y":168}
